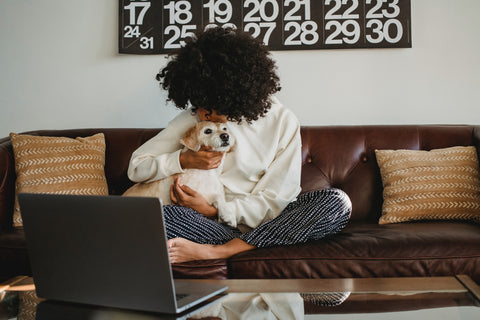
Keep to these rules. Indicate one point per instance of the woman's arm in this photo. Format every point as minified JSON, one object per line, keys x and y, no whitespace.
{"x":159,"y":157}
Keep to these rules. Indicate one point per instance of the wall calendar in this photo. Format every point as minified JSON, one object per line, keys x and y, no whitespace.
{"x":161,"y":26}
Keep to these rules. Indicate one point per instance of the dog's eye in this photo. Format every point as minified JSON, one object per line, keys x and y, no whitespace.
{"x":208,"y":131}
{"x":224,"y":129}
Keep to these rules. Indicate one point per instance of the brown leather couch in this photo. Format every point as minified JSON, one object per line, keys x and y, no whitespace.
{"x":341,"y":157}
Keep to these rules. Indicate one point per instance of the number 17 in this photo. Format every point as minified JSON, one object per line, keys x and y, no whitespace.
{"x":132,"y":8}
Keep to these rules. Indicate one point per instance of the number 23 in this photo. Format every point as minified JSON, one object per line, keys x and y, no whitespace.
{"x":372,"y":13}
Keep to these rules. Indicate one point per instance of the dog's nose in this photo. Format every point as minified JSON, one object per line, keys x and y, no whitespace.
{"x":224,"y":136}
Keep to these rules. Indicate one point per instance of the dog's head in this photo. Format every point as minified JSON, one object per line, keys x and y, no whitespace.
{"x":213,"y":135}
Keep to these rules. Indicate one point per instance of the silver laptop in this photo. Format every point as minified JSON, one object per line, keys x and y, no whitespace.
{"x":105,"y":250}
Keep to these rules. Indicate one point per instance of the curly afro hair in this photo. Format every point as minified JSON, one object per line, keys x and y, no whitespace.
{"x":224,"y":70}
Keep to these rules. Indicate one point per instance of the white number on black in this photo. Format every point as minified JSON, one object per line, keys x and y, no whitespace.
{"x":226,"y":25}
{"x":132,"y":8}
{"x":175,"y":42}
{"x":257,"y":30}
{"x":179,"y":12}
{"x":146,"y":43}
{"x":219,"y":11}
{"x":131,"y":32}
{"x":259,"y":10}
{"x":383,"y":31}
{"x":305,"y":33}
{"x":348,"y":14}
{"x":376,"y":12}
{"x":349,"y":28}
{"x":297,"y":6}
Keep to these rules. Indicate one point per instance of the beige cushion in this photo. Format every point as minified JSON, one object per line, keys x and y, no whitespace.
{"x":58,"y":165}
{"x":441,"y":184}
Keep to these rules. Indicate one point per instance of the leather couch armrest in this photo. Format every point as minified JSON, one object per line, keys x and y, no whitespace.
{"x":7,"y":184}
{"x":476,"y":139}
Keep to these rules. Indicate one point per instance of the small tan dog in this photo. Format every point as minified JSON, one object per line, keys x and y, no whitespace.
{"x":212,"y":135}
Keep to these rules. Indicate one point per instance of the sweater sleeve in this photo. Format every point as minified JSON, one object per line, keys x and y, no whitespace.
{"x":279,"y":185}
{"x":159,"y":157}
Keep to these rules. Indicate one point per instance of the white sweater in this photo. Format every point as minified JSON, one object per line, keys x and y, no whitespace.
{"x":261,"y":176}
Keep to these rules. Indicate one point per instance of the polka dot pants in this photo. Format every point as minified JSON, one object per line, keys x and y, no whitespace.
{"x":312,"y":216}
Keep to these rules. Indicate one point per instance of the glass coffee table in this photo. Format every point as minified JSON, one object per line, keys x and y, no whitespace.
{"x":375,"y":298}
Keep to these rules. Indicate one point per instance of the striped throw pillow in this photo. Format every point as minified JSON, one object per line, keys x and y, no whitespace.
{"x":58,"y":165}
{"x":441,"y":184}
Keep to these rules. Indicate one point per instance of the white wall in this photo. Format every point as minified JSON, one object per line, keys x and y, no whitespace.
{"x":60,"y":69}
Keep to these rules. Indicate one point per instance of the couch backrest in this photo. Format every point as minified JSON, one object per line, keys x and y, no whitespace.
{"x":344,"y":157}
{"x":341,"y":157}
{"x":120,"y":145}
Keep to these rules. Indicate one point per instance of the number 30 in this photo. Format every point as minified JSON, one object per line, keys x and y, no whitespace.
{"x":383,"y":31}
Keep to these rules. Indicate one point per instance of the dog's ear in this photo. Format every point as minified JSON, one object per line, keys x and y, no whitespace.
{"x":190,"y":139}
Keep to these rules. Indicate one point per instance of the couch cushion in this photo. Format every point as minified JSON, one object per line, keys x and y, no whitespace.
{"x":440,"y":184}
{"x":201,"y":269}
{"x":14,"y":261}
{"x":371,"y":250}
{"x":58,"y":165}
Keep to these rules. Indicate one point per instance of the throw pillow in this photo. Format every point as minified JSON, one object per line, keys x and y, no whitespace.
{"x":58,"y":165}
{"x":439,"y":184}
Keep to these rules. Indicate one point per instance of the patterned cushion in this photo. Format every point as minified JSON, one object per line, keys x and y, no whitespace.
{"x":429,"y":185}
{"x":58,"y":165}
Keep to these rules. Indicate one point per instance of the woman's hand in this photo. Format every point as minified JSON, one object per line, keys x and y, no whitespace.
{"x":184,"y":196}
{"x":202,"y":159}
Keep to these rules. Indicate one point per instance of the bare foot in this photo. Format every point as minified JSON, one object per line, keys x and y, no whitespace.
{"x":183,"y":250}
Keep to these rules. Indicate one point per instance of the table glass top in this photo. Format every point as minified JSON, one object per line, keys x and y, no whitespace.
{"x":442,"y":298}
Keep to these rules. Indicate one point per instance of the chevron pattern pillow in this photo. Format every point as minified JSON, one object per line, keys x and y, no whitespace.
{"x":441,"y":184}
{"x":58,"y":165}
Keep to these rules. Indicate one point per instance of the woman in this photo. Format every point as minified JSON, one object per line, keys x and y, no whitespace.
{"x":228,"y":76}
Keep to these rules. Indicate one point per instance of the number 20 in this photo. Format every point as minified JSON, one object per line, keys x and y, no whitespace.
{"x":261,"y":8}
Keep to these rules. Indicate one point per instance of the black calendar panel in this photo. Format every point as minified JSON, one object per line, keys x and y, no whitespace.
{"x":160,"y":26}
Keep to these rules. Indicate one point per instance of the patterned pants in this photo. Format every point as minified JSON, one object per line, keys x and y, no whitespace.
{"x":312,"y":216}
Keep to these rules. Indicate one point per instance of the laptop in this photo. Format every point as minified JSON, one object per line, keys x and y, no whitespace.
{"x":105,"y":250}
